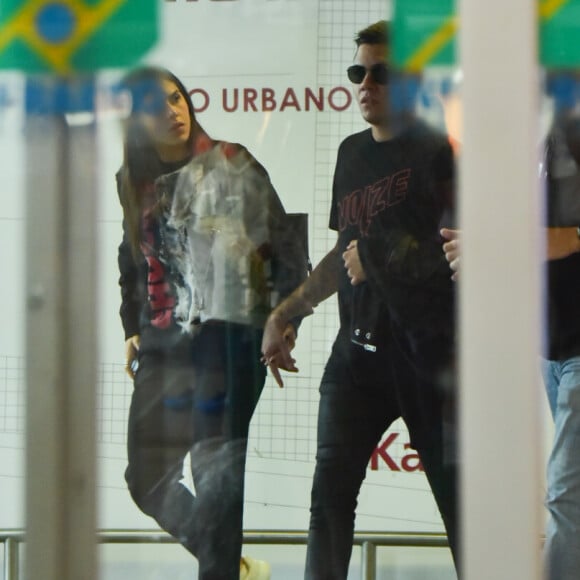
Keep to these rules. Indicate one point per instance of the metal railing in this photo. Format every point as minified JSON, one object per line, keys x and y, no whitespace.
{"x":368,"y":541}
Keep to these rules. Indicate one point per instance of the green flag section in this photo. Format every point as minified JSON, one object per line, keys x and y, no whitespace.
{"x":424,"y":33}
{"x":66,"y":36}
{"x":560,"y":26}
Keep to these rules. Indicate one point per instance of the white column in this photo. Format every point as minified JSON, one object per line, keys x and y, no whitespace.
{"x":499,"y":293}
{"x":60,"y":349}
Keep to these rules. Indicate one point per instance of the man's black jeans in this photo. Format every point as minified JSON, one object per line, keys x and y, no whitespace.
{"x":358,"y":402}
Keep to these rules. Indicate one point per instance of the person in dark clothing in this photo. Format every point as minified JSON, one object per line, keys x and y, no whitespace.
{"x":394,"y":353}
{"x":205,"y":255}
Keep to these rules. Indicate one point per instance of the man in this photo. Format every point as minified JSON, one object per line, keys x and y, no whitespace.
{"x":561,"y":361}
{"x":393,"y":354}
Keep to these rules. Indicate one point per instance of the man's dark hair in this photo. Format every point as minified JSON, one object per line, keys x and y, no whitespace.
{"x":377,"y":33}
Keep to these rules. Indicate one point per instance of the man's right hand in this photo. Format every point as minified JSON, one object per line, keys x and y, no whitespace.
{"x":452,"y":249}
{"x":132,"y":345}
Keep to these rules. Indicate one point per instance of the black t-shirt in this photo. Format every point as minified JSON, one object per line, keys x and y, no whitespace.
{"x":563,"y":275}
{"x":391,"y":197}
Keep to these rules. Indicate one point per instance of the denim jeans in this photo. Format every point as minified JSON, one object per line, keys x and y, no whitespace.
{"x":562,"y":550}
{"x":358,"y":402}
{"x":199,"y":403}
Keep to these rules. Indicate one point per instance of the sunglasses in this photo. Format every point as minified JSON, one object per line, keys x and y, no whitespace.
{"x":379,"y":73}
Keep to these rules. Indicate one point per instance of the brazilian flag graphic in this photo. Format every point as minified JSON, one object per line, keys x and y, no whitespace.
{"x":425,"y":33}
{"x":65,"y":36}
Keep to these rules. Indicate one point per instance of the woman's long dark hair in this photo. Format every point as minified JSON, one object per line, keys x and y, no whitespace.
{"x":141,"y":163}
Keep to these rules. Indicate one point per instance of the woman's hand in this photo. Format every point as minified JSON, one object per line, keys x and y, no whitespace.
{"x":132,"y":345}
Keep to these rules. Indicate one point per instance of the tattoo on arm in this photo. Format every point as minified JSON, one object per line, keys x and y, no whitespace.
{"x":322,"y":283}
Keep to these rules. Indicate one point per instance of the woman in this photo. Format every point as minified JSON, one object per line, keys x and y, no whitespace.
{"x":205,"y":255}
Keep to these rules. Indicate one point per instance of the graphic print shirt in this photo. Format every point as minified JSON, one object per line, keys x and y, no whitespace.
{"x":215,"y":246}
{"x":391,"y":197}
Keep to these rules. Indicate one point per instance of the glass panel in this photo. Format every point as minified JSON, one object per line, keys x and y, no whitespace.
{"x":272,"y":76}
{"x":278,"y":86}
